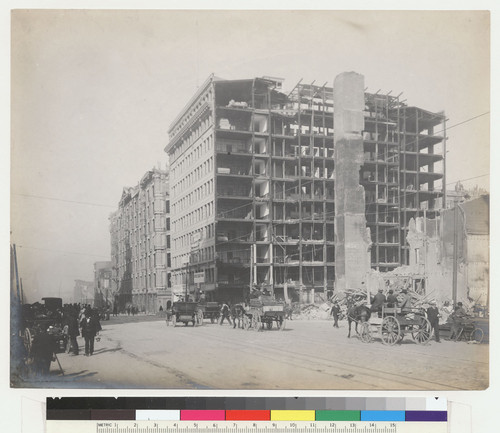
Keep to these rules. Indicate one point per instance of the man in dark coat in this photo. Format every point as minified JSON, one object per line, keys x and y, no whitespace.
{"x":90,"y":327}
{"x":42,"y":351}
{"x":73,"y":332}
{"x":378,"y":302}
{"x":457,"y":318}
{"x":335,"y":313}
{"x":392,"y":299}
{"x":433,"y":317}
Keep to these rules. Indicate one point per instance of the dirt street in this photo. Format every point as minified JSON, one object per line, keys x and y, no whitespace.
{"x":138,"y":353}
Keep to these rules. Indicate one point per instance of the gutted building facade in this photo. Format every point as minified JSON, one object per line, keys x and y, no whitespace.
{"x":140,"y":244}
{"x":253,"y":185}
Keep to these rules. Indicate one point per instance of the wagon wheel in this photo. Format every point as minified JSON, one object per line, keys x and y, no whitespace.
{"x":477,"y":335}
{"x":281,"y":322}
{"x":246,"y":322}
{"x":256,"y":323}
{"x":269,"y":324}
{"x":174,"y":320}
{"x":199,"y":317}
{"x":27,"y":340}
{"x":423,"y":331}
{"x":390,"y":330}
{"x":366,"y":333}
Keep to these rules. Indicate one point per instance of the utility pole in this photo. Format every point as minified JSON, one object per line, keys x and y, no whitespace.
{"x":16,"y":272}
{"x":455,"y":253}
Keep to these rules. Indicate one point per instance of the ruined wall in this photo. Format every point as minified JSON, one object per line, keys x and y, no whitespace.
{"x":352,"y":238}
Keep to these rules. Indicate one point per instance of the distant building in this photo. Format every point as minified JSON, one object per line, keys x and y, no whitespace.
{"x":140,"y":244}
{"x":103,"y":296}
{"x":83,"y":292}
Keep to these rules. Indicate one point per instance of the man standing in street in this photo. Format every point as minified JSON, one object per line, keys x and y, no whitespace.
{"x":43,"y":351}
{"x":73,"y":332}
{"x":335,"y":313}
{"x":433,"y":317}
{"x":224,"y":313}
{"x":457,"y":318}
{"x":90,"y":327}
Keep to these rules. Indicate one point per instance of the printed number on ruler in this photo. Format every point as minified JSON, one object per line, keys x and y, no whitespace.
{"x":245,"y":427}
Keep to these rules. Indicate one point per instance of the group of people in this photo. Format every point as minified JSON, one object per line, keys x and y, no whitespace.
{"x":404,"y":301}
{"x":76,"y":320}
{"x":86,"y":319}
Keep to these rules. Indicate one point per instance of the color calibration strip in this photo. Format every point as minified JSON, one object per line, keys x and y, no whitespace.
{"x":253,"y":409}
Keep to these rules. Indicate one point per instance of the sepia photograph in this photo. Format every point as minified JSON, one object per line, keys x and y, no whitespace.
{"x":253,"y":200}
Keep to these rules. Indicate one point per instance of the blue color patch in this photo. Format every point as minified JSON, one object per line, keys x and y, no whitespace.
{"x":383,"y":415}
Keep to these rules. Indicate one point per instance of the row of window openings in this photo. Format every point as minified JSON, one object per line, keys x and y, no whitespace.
{"x":206,"y":98}
{"x":149,"y":281}
{"x":188,"y":140}
{"x":156,"y":259}
{"x":259,"y":147}
{"x":281,"y":211}
{"x":194,"y":176}
{"x":193,"y":197}
{"x":194,"y":217}
{"x":260,"y":124}
{"x":180,"y":278}
{"x":203,"y":255}
{"x":279,"y":169}
{"x":178,"y":172}
{"x":310,"y":275}
{"x":203,"y":233}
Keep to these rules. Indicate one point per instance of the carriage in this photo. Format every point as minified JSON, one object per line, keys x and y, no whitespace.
{"x":46,"y":316}
{"x":187,"y":312}
{"x":210,"y":310}
{"x":394,"y":323}
{"x":263,"y":312}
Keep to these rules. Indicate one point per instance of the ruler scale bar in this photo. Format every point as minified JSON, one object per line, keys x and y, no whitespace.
{"x":89,"y":426}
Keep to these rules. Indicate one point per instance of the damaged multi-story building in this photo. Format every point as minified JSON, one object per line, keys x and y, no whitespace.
{"x":140,"y":244}
{"x":255,"y":184}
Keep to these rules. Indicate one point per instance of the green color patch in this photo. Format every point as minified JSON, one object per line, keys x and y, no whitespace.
{"x":338,"y":415}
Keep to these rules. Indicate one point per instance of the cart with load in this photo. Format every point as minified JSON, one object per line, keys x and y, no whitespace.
{"x":210,"y":310}
{"x":45,"y":316}
{"x":187,"y":312}
{"x":395,"y":323}
{"x":263,"y":312}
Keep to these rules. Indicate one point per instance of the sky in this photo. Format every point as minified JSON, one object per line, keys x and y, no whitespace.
{"x":94,"y":93}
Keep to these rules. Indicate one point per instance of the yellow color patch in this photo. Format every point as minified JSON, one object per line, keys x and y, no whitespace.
{"x":293,"y":415}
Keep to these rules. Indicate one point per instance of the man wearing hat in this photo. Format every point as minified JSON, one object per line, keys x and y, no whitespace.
{"x":392,"y":299}
{"x":377,"y":302}
{"x":433,"y":317}
{"x":457,"y":318}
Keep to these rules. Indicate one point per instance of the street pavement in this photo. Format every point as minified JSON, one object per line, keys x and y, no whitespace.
{"x":143,"y":352}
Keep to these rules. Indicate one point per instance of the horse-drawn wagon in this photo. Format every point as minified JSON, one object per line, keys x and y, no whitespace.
{"x":187,"y":312}
{"x":263,"y":312}
{"x":46,"y":316}
{"x":394,"y":323}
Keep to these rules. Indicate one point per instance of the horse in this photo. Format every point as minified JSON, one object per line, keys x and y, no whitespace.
{"x":357,"y":314}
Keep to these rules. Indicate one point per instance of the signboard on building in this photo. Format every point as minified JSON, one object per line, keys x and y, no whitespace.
{"x":199,"y":277}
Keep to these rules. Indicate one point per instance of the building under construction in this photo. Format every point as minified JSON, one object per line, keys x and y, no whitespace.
{"x":253,"y":184}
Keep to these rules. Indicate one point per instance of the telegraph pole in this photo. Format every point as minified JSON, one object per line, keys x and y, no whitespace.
{"x":455,"y":253}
